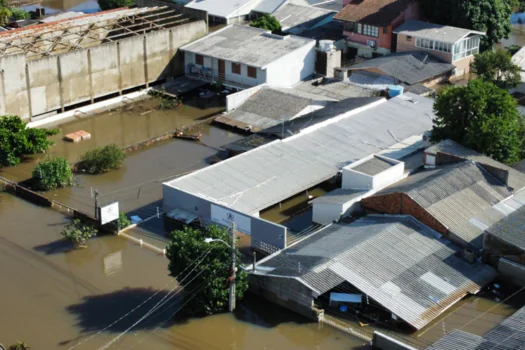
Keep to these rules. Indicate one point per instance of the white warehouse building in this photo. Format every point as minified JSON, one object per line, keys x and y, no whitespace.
{"x":242,"y":57}
{"x":239,"y":188}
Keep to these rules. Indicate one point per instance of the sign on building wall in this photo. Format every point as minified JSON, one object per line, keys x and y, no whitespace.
{"x":108,"y":213}
{"x":226,"y":217}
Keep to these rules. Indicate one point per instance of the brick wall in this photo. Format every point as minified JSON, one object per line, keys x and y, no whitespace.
{"x":400,"y":203}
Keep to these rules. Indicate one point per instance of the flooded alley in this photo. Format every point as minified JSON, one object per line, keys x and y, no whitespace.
{"x":55,"y":298}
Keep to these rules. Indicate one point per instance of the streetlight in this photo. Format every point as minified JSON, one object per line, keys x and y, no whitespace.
{"x":210,"y":240}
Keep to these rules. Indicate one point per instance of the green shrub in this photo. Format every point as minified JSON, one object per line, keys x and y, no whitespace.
{"x":16,"y":140}
{"x":101,"y":160}
{"x":78,"y":233}
{"x":19,"y":14}
{"x":18,"y":346}
{"x":267,"y":22}
{"x":123,"y":221}
{"x":113,"y":4}
{"x":51,"y":174}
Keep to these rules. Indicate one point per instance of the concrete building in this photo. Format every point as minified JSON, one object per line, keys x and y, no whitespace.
{"x":459,"y":196}
{"x":295,"y":19}
{"x":243,"y":57}
{"x":453,"y":45}
{"x":417,"y":71}
{"x":359,"y":179}
{"x":245,"y":185}
{"x":48,"y":67}
{"x":369,"y":24}
{"x":509,"y":334}
{"x":387,"y":268}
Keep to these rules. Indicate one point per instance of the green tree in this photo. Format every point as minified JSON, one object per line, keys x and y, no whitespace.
{"x":16,"y":140}
{"x":19,"y":14}
{"x":114,"y":4}
{"x":18,"y":346}
{"x":267,"y":22}
{"x":123,"y":221}
{"x":102,"y":160}
{"x":490,"y":16}
{"x":497,"y":67}
{"x":205,"y":276}
{"x":78,"y":233}
{"x":5,"y":13}
{"x":480,"y":116}
{"x":50,"y":174}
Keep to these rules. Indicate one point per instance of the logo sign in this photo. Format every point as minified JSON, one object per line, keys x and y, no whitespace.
{"x":108,"y":213}
{"x":226,"y":217}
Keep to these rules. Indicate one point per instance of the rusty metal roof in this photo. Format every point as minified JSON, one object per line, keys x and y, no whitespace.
{"x":59,"y":37}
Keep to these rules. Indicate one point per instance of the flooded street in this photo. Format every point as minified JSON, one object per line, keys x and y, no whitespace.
{"x":138,"y":183}
{"x":54,"y":298}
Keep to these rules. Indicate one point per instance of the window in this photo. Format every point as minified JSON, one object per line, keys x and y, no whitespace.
{"x":433,"y":45}
{"x":252,"y":72}
{"x":409,"y":38}
{"x":385,"y":30}
{"x":236,"y":68}
{"x":199,"y":59}
{"x":466,"y":48}
{"x":351,"y":27}
{"x":370,"y":30}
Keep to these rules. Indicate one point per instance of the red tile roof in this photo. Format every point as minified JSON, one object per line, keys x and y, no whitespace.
{"x":374,"y":12}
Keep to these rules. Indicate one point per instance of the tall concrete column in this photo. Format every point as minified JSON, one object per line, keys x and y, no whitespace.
{"x":170,"y":72}
{"x":119,"y":70}
{"x":28,"y":85}
{"x":90,"y":74}
{"x":145,"y":56}
{"x":2,"y":93}
{"x":60,"y":84}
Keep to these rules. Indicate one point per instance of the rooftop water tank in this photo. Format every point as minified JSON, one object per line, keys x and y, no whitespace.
{"x":326,"y":45}
{"x":395,"y":90}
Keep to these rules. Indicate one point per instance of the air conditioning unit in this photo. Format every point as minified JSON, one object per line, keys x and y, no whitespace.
{"x":371,"y":43}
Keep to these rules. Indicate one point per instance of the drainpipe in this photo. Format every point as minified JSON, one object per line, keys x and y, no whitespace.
{"x":254,"y":259}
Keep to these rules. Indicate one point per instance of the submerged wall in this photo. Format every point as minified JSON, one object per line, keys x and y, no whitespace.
{"x":33,"y":88}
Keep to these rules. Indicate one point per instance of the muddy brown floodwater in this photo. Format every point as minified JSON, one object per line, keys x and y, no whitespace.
{"x":54,"y":298}
{"x":138,"y":183}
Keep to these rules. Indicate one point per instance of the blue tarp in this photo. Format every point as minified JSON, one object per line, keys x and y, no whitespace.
{"x":345,"y":298}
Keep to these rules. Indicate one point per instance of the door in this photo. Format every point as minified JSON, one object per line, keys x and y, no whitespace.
{"x":222,"y":69}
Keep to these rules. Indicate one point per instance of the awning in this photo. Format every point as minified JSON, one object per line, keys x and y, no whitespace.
{"x":345,"y":298}
{"x":182,"y":215}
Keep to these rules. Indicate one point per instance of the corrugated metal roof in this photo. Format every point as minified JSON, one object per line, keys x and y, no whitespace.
{"x":508,"y":335}
{"x":433,"y":31}
{"x":408,"y":67}
{"x":516,"y":178}
{"x":511,"y":229}
{"x":243,"y":44}
{"x":297,"y":19}
{"x":455,"y":194}
{"x":395,"y":260}
{"x":269,"y":174}
{"x":268,"y":6}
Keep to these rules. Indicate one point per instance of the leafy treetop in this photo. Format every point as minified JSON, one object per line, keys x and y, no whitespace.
{"x":497,"y":67}
{"x":480,"y":116}
{"x":267,"y":22}
{"x":16,"y":139}
{"x":114,"y":4}
{"x":206,"y":283}
{"x":78,"y":233}
{"x":490,"y":16}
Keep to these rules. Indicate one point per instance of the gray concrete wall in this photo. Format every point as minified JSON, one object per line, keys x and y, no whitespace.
{"x":31,"y":88}
{"x":512,"y":271}
{"x":285,"y":292}
{"x":266,"y":235}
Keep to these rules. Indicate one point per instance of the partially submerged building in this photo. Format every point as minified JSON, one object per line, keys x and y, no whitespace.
{"x":509,"y":334}
{"x":453,"y":45}
{"x":240,"y":188}
{"x":386,"y":268}
{"x":241,"y":57}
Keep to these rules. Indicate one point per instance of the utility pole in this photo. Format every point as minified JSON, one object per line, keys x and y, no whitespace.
{"x":232,"y":283}
{"x":96,"y":204}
